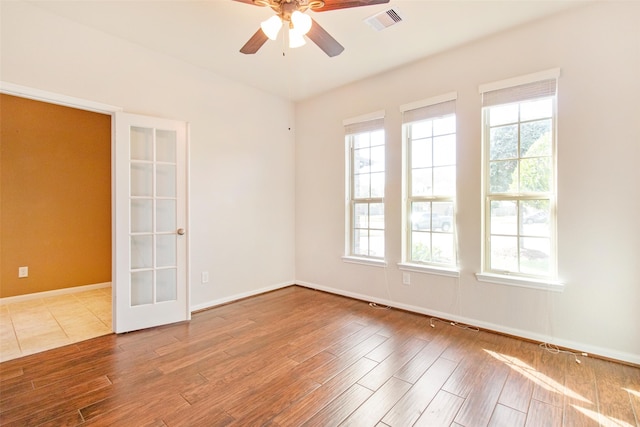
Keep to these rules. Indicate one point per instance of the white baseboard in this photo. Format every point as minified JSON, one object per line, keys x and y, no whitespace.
{"x":236,"y":297}
{"x":528,"y":335}
{"x":53,"y":293}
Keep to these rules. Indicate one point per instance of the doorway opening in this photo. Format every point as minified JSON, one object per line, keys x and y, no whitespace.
{"x":56,"y":223}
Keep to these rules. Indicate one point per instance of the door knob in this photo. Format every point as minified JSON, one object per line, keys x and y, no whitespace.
{"x":181,"y":231}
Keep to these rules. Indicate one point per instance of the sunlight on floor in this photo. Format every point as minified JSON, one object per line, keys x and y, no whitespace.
{"x":537,"y":377}
{"x":32,"y":326}
{"x":604,"y":420}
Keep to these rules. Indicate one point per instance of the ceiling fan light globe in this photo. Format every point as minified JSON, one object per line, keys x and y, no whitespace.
{"x":296,"y":38}
{"x":271,"y":27}
{"x":301,"y":22}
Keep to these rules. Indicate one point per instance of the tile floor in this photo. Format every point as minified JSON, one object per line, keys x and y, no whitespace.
{"x":41,"y":324}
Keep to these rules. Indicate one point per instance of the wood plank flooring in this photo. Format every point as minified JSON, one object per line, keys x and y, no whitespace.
{"x":298,"y":357}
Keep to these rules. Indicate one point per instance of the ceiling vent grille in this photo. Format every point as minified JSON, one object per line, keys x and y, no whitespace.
{"x":384,"y":19}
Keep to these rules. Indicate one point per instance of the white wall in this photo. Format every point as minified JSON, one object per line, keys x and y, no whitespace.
{"x":242,"y":193}
{"x":598,"y":51}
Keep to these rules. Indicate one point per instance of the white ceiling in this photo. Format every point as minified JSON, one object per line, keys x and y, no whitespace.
{"x":210,"y":33}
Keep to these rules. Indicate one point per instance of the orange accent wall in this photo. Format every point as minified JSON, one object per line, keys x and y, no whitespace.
{"x":55,"y":196}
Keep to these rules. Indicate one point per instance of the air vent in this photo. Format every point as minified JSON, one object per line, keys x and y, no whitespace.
{"x":384,"y":19}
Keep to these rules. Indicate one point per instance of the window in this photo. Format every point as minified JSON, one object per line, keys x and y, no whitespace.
{"x":429,"y":130}
{"x":519,"y":144}
{"x":365,"y":142}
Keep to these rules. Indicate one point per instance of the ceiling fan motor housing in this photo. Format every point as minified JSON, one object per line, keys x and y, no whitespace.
{"x":284,"y":8}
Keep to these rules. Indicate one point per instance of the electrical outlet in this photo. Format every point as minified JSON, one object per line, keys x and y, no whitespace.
{"x":406,"y":278}
{"x":205,"y":277}
{"x":23,"y":272}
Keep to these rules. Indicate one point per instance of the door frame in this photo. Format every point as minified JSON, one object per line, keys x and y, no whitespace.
{"x":111,"y":110}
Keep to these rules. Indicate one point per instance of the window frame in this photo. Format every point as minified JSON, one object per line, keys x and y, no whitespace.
{"x":428,"y":110}
{"x":520,"y":278}
{"x":367,"y":124}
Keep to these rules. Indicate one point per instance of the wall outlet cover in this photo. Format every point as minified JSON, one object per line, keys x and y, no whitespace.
{"x":23,"y":272}
{"x":406,"y":278}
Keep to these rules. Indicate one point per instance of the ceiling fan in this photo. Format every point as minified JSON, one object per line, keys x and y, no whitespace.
{"x":292,"y":13}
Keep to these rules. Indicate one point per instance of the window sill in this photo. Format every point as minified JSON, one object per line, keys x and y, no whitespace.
{"x":364,"y":261}
{"x":429,"y":269}
{"x":502,"y":279}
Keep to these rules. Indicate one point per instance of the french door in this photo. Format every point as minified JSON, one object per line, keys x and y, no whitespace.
{"x":151,"y":234}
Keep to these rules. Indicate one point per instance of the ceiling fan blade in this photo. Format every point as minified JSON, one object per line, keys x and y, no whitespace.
{"x":255,"y":42}
{"x":323,"y":39}
{"x":344,"y":4}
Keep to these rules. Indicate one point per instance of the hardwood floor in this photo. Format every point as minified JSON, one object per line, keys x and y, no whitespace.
{"x":298,"y":357}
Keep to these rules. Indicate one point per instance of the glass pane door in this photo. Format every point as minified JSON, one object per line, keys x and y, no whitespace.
{"x":153,"y":216}
{"x":150,"y":221}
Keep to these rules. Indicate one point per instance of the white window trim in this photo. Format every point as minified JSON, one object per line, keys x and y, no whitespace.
{"x":545,"y":283}
{"x":523,"y":282}
{"x":364,"y":118}
{"x":374,"y":262}
{"x":552,"y":73}
{"x":439,"y":99}
{"x":348,"y":257}
{"x":429,"y":269}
